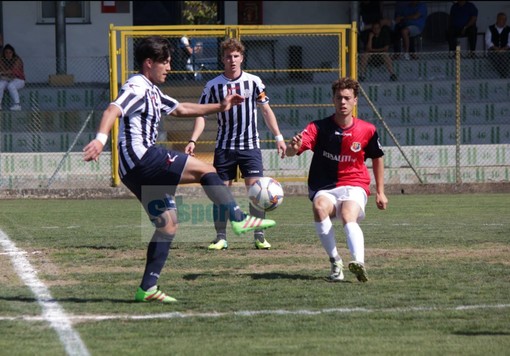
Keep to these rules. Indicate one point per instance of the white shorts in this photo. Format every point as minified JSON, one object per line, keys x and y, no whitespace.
{"x":340,"y":194}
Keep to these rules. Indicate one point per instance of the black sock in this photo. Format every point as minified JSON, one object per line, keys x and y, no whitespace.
{"x":220,"y":222}
{"x":157,"y":254}
{"x":221,"y":195}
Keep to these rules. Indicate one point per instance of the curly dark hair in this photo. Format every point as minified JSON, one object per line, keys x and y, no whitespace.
{"x":345,"y":83}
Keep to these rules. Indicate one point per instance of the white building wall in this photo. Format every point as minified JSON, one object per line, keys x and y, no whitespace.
{"x":91,"y":40}
{"x":33,"y":41}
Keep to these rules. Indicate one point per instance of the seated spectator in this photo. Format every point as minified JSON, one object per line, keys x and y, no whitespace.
{"x":463,"y":16}
{"x":376,"y":50}
{"x":12,"y":75}
{"x":497,"y":40}
{"x":409,"y":22}
{"x":370,"y":12}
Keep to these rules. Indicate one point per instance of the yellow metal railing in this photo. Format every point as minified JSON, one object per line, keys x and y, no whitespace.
{"x":329,"y":50}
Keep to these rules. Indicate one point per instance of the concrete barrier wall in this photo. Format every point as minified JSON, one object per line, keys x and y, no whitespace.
{"x":434,"y":164}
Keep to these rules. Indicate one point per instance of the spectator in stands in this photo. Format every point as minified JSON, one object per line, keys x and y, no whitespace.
{"x":463,"y":16}
{"x":376,"y":50}
{"x":497,"y":41}
{"x":370,"y":12}
{"x":409,"y":22}
{"x":12,"y":75}
{"x":188,"y":53}
{"x":185,"y":56}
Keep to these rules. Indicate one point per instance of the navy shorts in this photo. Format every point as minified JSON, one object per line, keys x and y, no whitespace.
{"x":158,"y":167}
{"x":249,"y":162}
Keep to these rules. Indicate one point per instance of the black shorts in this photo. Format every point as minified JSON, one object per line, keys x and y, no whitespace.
{"x":158,"y":167}
{"x":249,"y":162}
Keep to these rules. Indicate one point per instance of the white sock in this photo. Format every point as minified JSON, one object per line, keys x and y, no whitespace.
{"x":355,"y":241}
{"x":327,"y":236}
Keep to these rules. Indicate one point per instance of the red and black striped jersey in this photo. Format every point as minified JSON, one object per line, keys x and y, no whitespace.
{"x":339,"y":154}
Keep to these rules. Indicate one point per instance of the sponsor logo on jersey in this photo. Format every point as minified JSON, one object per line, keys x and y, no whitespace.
{"x":338,"y":158}
{"x":236,"y":88}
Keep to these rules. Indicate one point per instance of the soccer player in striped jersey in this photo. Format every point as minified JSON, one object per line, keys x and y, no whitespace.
{"x":153,"y":172}
{"x":339,"y":181}
{"x":237,"y":139}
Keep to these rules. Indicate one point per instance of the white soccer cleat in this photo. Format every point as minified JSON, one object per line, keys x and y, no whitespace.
{"x":337,"y":273}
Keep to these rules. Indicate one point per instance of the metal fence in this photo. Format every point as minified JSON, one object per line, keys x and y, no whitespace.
{"x":444,"y":120}
{"x":296,"y":63}
{"x":40,"y":145}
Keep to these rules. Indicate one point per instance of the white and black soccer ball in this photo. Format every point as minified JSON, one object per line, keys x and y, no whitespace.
{"x":266,"y":194}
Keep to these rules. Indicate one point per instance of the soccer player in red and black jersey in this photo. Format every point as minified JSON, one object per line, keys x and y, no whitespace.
{"x":339,"y":181}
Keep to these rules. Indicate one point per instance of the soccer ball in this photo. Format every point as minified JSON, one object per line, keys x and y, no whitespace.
{"x":266,"y":194}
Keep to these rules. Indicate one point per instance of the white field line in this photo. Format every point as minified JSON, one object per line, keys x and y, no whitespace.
{"x":52,"y":312}
{"x":178,"y":315}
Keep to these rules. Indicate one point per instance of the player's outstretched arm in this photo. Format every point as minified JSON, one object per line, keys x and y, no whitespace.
{"x":294,"y":145}
{"x":194,"y":109}
{"x":94,"y":148}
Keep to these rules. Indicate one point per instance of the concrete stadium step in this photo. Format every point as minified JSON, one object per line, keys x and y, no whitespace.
{"x":433,"y":67}
{"x":440,"y":91}
{"x":436,"y":114}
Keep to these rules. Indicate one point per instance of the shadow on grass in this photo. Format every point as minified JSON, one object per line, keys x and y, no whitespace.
{"x":256,"y":276}
{"x":481,"y":333}
{"x":68,"y":300}
{"x":274,"y":275}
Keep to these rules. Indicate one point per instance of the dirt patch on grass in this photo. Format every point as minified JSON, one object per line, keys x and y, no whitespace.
{"x":287,"y":257}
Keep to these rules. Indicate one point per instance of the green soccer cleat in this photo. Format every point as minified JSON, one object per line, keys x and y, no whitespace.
{"x":264,"y":245}
{"x":219,"y":245}
{"x":358,"y":268}
{"x":337,"y":273}
{"x":251,"y":223}
{"x":153,"y":296}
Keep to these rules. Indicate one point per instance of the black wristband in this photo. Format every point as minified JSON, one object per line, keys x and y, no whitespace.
{"x":193,"y":142}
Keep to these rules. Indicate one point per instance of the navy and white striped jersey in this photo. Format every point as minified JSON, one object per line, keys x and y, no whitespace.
{"x":142,"y":104}
{"x":237,"y":128}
